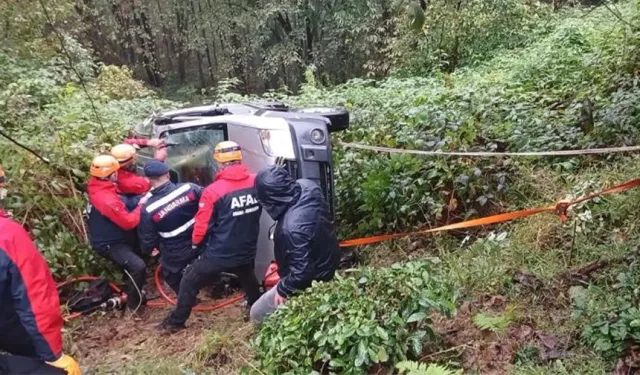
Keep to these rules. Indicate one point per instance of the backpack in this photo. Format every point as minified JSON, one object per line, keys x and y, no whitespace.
{"x":98,"y":292}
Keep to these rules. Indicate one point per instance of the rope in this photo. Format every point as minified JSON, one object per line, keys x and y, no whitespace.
{"x":589,"y":151}
{"x":560,"y":209}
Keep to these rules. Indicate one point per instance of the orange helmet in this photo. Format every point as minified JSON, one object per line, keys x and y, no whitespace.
{"x":226,"y":152}
{"x":104,"y":166}
{"x":3,"y":179}
{"x":124,"y":153}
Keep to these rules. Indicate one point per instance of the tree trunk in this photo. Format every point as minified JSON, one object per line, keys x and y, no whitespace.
{"x":180,"y":42}
{"x":145,"y":40}
{"x":123,"y":23}
{"x":206,"y":47}
{"x":166,"y":36}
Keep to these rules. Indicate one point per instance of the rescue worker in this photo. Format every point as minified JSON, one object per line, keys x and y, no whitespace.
{"x":128,"y":181}
{"x":111,"y":226}
{"x":30,"y":318}
{"x":305,"y":243}
{"x":227,"y":225}
{"x":167,"y":221}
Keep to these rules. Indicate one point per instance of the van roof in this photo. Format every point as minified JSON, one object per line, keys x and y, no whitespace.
{"x":252,"y":121}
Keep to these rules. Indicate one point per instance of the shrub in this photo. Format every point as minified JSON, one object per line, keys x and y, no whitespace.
{"x":414,"y":368}
{"x":118,"y":83}
{"x":613,"y":319}
{"x":371,"y":316}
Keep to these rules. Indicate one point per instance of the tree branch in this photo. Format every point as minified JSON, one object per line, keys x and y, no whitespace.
{"x":12,"y":140}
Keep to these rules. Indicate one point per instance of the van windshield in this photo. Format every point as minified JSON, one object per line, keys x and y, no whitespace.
{"x":190,"y":153}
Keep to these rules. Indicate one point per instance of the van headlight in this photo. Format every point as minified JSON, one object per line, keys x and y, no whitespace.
{"x":317,"y":136}
{"x":277,"y":142}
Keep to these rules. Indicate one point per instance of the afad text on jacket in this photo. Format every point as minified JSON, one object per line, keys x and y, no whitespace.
{"x":228,"y":220}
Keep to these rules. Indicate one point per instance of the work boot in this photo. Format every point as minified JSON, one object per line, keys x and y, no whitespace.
{"x":168,"y":327}
{"x":246,"y":311}
{"x":150,"y":295}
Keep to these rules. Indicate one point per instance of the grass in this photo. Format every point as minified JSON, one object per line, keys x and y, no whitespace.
{"x":544,"y":249}
{"x":494,"y":261}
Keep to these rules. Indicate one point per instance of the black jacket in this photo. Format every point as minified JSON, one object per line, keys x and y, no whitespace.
{"x":166,"y":223}
{"x":306,"y":247}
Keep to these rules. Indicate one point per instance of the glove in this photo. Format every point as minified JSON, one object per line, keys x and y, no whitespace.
{"x":280,"y":161}
{"x":67,"y":364}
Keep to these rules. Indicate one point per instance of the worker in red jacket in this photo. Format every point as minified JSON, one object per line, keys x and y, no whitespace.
{"x":30,"y":318}
{"x":128,"y":181}
{"x":112,"y":226}
{"x":226,"y":225}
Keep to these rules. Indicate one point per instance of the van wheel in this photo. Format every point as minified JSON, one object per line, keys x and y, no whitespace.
{"x":339,"y":117}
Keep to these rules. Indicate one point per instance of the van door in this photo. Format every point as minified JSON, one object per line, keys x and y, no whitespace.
{"x":255,"y":158}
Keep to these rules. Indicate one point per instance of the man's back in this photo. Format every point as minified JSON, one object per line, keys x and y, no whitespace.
{"x":28,"y":292}
{"x":167,"y":222}
{"x":229,"y":217}
{"x":309,"y":215}
{"x":306,"y":247}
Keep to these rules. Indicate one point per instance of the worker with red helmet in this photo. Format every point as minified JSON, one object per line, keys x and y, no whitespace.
{"x":30,"y":318}
{"x":111,"y":226}
{"x":226,"y":225}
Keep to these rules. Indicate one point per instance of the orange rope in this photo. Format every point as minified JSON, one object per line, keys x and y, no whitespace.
{"x":559,"y":209}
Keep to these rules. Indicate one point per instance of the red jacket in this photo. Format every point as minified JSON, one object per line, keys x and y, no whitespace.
{"x":130,"y":183}
{"x":229,"y":218}
{"x":103,"y":196}
{"x":27,"y":288}
{"x":109,"y":221}
{"x":160,"y":154}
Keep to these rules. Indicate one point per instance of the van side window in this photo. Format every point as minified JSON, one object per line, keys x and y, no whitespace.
{"x":190,"y":152}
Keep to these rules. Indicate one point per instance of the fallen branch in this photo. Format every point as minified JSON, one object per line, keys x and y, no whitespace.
{"x":24,"y":219}
{"x":453,"y":348}
{"x":584,"y":273}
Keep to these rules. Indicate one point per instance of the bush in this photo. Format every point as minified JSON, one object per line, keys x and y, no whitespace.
{"x":118,"y":83}
{"x":613,"y":319}
{"x":43,"y":107}
{"x":372,"y":316}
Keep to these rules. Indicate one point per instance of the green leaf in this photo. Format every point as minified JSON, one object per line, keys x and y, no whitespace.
{"x":382,"y":333}
{"x":416,"y":317}
{"x":382,"y":354}
{"x":337,"y":363}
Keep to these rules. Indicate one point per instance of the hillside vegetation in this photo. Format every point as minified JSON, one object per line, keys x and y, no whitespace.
{"x":535,"y":296}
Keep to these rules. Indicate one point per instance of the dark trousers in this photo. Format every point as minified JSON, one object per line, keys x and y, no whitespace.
{"x":15,"y":364}
{"x":203,"y":272}
{"x":173,"y":279}
{"x":125,"y":257}
{"x":22,"y":358}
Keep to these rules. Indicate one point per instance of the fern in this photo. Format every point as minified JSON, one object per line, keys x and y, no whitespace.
{"x":416,"y":368}
{"x":495,"y":323}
